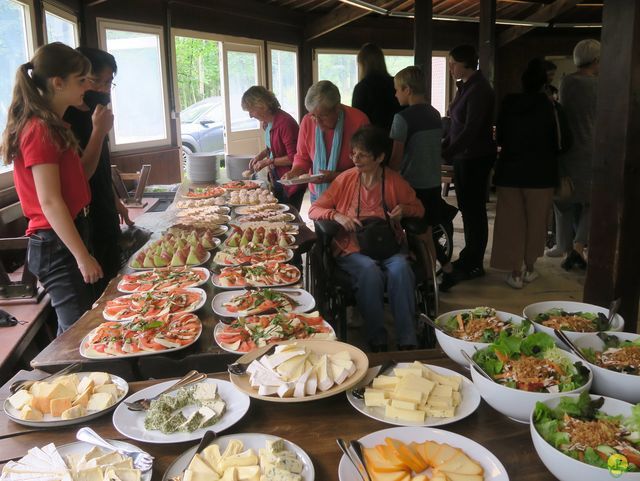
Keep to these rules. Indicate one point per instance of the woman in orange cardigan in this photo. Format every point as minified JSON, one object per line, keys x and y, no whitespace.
{"x":362,"y":186}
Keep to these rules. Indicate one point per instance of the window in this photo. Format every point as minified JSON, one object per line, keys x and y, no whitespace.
{"x":284,"y":78}
{"x":60,"y":26}
{"x":140,"y":101}
{"x":242,"y":70}
{"x":16,"y":47}
{"x":341,"y":69}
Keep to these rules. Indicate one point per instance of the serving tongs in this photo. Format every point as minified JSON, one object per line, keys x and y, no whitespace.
{"x":386,"y":366}
{"x":190,"y":378}
{"x":27,"y":383}
{"x":433,"y":323}
{"x":575,"y":349}
{"x":470,"y":360}
{"x":353,"y":451}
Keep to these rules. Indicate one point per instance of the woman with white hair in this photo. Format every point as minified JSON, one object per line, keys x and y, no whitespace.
{"x":578,"y":96}
{"x":334,"y":124}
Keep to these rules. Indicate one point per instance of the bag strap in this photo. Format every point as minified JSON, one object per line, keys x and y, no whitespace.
{"x":384,"y":204}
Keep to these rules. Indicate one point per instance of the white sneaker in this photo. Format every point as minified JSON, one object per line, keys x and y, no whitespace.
{"x":530,"y":276}
{"x":515,"y":282}
{"x":555,"y":252}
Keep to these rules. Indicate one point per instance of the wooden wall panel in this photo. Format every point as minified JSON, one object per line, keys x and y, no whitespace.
{"x":165,"y":164}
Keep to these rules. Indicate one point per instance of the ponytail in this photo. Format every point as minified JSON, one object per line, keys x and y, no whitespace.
{"x":31,"y":94}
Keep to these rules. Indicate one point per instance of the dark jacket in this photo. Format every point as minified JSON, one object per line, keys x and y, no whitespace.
{"x":527,"y":132}
{"x":470,"y":132}
{"x":375,"y":95}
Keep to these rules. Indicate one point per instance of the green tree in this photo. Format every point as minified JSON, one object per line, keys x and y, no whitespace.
{"x":198,"y":69}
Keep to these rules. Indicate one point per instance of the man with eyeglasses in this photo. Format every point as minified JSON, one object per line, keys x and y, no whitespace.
{"x":105,"y":209}
{"x":335,"y":124}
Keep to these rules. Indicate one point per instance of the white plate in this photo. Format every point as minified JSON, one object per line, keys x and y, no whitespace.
{"x":207,"y":258}
{"x":305,"y":300}
{"x":493,"y":468}
{"x":289,"y":253}
{"x":469,"y":403}
{"x":298,"y":180}
{"x":200,"y":269}
{"x":214,"y":281}
{"x":220,"y":326}
{"x":89,"y":355}
{"x":53,"y":422}
{"x":289,"y":217}
{"x":291,"y":240}
{"x":250,"y":441}
{"x":81,"y":447}
{"x":246,"y":209}
{"x":200,"y":292}
{"x":131,"y":423}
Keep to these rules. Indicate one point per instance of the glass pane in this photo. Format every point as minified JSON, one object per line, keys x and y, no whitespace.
{"x":243,"y":73}
{"x":395,"y":63}
{"x":13,"y":53}
{"x":60,"y":30}
{"x":138,"y":102}
{"x":342,"y":70}
{"x":284,"y":79}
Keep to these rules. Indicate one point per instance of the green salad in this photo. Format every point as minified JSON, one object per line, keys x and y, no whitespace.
{"x":532,"y":363}
{"x":617,"y":355}
{"x":573,"y":321}
{"x":482,"y":325}
{"x":579,"y":429}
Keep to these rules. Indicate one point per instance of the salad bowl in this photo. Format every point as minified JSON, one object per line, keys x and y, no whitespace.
{"x":606,"y":461}
{"x":517,"y":402}
{"x":608,"y":382}
{"x":535,"y":311}
{"x":452,"y":345}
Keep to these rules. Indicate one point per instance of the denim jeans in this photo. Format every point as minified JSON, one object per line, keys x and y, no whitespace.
{"x":56,"y":268}
{"x":369,"y":278}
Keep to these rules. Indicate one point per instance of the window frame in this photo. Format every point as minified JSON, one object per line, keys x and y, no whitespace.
{"x":6,"y":176}
{"x":48,"y":7}
{"x":285,"y":48}
{"x":104,"y":24}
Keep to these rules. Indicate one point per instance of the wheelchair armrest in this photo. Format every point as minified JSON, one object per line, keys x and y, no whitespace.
{"x":328,"y":228}
{"x":414,"y":225}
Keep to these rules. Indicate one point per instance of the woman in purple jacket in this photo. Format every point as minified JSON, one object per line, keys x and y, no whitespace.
{"x":281,"y":138}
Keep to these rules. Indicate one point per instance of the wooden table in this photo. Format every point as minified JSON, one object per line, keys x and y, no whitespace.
{"x":204,"y":355}
{"x":314,"y":426}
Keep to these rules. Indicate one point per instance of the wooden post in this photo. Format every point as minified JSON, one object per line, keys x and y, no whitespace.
{"x":614,"y":257}
{"x":40,"y":21}
{"x":422,"y":40}
{"x":487,"y":42}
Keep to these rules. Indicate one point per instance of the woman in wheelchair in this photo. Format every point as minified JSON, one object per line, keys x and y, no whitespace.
{"x":353,"y":199}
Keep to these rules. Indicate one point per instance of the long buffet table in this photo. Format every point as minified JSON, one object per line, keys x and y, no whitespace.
{"x":204,"y":355}
{"x":314,"y":426}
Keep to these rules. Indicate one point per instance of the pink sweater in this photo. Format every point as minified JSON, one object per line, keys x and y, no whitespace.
{"x":353,"y":120}
{"x":342,"y":198}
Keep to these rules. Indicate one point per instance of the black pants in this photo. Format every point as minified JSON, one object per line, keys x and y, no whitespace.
{"x":437,"y":211}
{"x":56,"y":268}
{"x":471,"y":177}
{"x":106,"y":250}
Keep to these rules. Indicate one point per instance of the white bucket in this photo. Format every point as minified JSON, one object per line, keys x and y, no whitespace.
{"x":236,"y":165}
{"x":203,"y":167}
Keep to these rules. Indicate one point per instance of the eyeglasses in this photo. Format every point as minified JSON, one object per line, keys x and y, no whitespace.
{"x":322,"y":116}
{"x":109,"y":84}
{"x":360,"y":155}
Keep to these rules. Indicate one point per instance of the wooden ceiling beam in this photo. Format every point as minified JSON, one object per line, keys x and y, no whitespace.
{"x":336,"y":18}
{"x":544,"y":14}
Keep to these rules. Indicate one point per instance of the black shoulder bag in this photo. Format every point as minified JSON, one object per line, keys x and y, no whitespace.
{"x":376,"y":237}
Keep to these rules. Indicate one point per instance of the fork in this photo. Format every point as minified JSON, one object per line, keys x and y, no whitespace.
{"x":189,"y":378}
{"x":240,"y":368}
{"x":26,"y":383}
{"x":141,"y":460}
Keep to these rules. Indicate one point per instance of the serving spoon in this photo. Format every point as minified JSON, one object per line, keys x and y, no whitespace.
{"x":564,"y":338}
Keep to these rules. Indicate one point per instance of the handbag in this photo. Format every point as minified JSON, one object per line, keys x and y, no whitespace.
{"x":377,"y":237}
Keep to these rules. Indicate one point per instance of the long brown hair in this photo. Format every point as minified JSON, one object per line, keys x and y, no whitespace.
{"x":371,"y":59}
{"x":32,"y":93}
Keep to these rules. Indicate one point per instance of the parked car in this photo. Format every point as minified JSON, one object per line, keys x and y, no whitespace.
{"x":202,"y":127}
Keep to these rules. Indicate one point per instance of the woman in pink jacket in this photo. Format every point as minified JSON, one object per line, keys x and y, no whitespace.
{"x":354,"y":195}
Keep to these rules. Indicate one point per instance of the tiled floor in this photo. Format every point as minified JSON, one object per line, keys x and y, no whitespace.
{"x":553,"y":284}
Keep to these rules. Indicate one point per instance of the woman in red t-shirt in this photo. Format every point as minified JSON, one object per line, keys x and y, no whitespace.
{"x":50,"y":176}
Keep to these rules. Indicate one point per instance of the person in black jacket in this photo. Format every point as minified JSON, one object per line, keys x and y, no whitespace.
{"x":529,"y":133}
{"x":375,"y":94}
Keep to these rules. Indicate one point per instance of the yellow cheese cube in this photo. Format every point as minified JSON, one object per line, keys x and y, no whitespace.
{"x":404,"y":414}
{"x":405,"y":371}
{"x":86,"y":383}
{"x":20,"y":399}
{"x":442,"y":390}
{"x":100,"y":378}
{"x":59,"y":405}
{"x":440,"y":402}
{"x":441,"y":412}
{"x":110,"y":388}
{"x":100,"y":401}
{"x":73,"y":412}
{"x":405,"y":394}
{"x":375,"y":397}
{"x":416,"y":383}
{"x":30,"y":414}
{"x":457,"y":398}
{"x":385,"y":382}
{"x":83,"y":398}
{"x":398,"y":403}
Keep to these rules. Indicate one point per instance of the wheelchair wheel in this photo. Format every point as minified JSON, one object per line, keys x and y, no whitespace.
{"x":443,"y":241}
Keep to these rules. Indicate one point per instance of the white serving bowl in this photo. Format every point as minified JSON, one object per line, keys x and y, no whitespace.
{"x":514,"y":403}
{"x":532,"y":310}
{"x":564,"y":467}
{"x":611,"y":383}
{"x":452,"y":345}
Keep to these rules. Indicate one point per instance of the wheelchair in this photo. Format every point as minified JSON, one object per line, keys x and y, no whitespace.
{"x":332,"y":289}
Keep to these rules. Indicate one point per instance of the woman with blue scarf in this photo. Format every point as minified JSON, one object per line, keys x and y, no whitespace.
{"x":332,"y":123}
{"x":281,"y":136}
